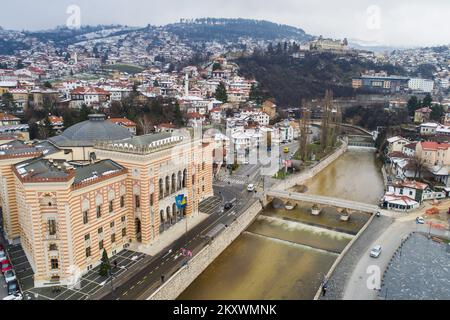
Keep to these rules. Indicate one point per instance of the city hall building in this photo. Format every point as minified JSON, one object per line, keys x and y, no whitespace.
{"x":97,"y":188}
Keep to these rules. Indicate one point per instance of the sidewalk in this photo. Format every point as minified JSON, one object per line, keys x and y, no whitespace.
{"x":169,"y":237}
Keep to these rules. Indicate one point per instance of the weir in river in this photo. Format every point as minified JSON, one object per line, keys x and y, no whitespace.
{"x":285,"y":254}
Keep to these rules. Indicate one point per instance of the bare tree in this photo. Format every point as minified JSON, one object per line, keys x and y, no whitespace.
{"x":418,"y":164}
{"x":145,"y":125}
{"x":304,"y":128}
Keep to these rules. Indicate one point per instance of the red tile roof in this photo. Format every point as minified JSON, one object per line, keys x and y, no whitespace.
{"x":122,"y":121}
{"x":90,"y":90}
{"x":431,"y":145}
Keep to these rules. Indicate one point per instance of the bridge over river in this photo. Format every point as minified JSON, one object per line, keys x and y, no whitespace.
{"x":316,"y":199}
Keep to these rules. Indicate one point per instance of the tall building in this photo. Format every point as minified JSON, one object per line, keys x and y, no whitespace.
{"x":65,"y":210}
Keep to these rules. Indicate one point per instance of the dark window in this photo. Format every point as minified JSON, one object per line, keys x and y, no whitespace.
{"x":122,"y":201}
{"x":124,"y":232}
{"x":85,"y":217}
{"x":151,"y":199}
{"x":203,"y":166}
{"x":51,"y":227}
{"x":52,"y":247}
{"x":99,"y":211}
{"x":111,"y":224}
{"x":88,"y":252}
{"x":100,"y":230}
{"x":87,"y":237}
{"x":111,"y":206}
{"x":123,"y":218}
{"x":137,"y":201}
{"x":113,"y":238}
{"x":54,"y":263}
{"x":100,"y":245}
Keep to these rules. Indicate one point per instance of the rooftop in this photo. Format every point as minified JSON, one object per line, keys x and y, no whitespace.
{"x":87,"y":133}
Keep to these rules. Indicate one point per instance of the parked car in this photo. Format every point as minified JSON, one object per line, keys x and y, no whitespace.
{"x":251,"y":188}
{"x":375,"y":252}
{"x":10,"y":276}
{"x":228,"y":206}
{"x":5,"y":266}
{"x":420,"y":220}
{"x":13,"y":287}
{"x":3,"y":256}
{"x":17,"y":296}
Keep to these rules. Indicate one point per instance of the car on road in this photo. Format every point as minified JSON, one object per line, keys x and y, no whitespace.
{"x":286,"y":150}
{"x":5,"y":266}
{"x":246,"y":162}
{"x":251,"y":188}
{"x":17,"y":296}
{"x":10,"y":276}
{"x":375,"y":252}
{"x":3,"y":256}
{"x":13,"y":287}
{"x":228,"y":206}
{"x":420,"y":220}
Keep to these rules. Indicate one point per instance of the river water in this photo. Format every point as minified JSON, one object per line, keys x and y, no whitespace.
{"x":285,"y":254}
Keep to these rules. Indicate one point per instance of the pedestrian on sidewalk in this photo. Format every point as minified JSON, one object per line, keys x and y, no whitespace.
{"x":162,"y":278}
{"x":115,"y":264}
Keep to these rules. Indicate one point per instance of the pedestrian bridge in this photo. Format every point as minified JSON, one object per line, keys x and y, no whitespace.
{"x":327,"y":201}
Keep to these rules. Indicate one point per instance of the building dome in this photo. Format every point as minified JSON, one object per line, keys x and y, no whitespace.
{"x":86,"y":133}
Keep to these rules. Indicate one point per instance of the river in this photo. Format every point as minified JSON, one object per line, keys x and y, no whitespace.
{"x":285,"y":254}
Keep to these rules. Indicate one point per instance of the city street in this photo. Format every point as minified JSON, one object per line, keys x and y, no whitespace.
{"x":161,"y":267}
{"x":390,"y":240}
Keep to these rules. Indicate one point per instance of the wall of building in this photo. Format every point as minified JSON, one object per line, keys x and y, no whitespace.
{"x":185,"y":276}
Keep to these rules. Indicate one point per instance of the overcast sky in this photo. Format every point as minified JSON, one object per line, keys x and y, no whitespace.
{"x":387,"y":22}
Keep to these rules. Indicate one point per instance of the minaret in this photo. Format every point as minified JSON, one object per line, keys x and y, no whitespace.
{"x":186,"y":85}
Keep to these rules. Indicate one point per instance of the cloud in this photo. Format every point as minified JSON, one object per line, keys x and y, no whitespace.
{"x":402,"y":22}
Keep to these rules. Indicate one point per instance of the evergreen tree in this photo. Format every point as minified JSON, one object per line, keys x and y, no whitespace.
{"x":256,"y":94}
{"x":85,"y":111}
{"x":47,"y":84}
{"x":221,"y":93}
{"x":105,"y":265}
{"x":427,"y":101}
{"x":413,"y":105}
{"x":437,"y":112}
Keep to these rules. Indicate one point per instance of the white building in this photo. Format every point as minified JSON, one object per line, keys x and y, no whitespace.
{"x":422,"y":85}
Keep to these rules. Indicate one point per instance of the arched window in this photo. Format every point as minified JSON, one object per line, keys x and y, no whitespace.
{"x":184,"y":178}
{"x":174,"y":183}
{"x":179,"y":181}
{"x":167,"y":186}
{"x":161,"y":188}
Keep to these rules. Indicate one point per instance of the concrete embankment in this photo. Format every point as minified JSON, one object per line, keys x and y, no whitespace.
{"x":186,"y":275}
{"x":303,"y":177}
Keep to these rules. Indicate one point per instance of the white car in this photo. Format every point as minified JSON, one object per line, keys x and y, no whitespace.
{"x":2,"y":255}
{"x":10,"y":276}
{"x":251,"y":188}
{"x":375,"y":252}
{"x":17,"y":296}
{"x":420,"y":220}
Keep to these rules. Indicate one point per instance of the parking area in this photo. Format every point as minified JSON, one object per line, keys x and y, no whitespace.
{"x":210,"y":205}
{"x":89,"y":284}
